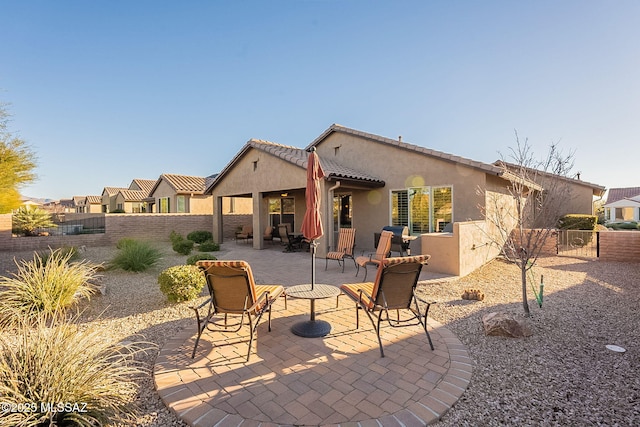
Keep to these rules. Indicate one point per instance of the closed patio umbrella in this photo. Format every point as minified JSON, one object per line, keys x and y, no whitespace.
{"x":312,"y":222}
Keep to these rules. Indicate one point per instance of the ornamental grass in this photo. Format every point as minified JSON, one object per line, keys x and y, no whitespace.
{"x":45,"y":287}
{"x":66,"y":376}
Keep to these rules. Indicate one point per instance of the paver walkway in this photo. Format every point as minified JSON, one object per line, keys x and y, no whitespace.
{"x":339,"y":379}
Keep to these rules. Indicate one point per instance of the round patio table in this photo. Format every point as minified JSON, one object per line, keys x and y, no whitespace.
{"x":312,"y":328}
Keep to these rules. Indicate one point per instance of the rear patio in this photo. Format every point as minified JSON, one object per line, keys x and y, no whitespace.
{"x":339,"y":379}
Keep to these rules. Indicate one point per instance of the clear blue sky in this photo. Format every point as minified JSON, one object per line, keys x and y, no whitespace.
{"x":108,"y":91}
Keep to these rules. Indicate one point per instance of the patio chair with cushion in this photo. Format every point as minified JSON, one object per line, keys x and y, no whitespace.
{"x":290,"y":243}
{"x":394,"y":289}
{"x":233,"y":292}
{"x":382,"y":251}
{"x":268,"y":234}
{"x":245,"y":233}
{"x":346,"y":244}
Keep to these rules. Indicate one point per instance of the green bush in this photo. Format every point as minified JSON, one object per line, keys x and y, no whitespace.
{"x":197,"y":257}
{"x":209,"y":246}
{"x":626,"y":225}
{"x":45,"y":289}
{"x":136,"y":256}
{"x":183,"y":247}
{"x":578,"y":222}
{"x":175,"y":237}
{"x":70,"y":365}
{"x":181,"y":282}
{"x":122,"y":243}
{"x":199,"y":236}
{"x":117,"y":211}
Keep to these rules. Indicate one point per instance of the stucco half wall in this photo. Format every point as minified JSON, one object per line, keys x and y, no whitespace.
{"x":460,"y":252}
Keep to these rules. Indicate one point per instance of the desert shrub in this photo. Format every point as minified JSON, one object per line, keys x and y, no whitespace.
{"x":136,"y":256}
{"x":578,"y":222}
{"x":27,"y":220}
{"x":209,"y":246}
{"x":183,"y":247}
{"x":72,"y":366}
{"x":199,"y":236}
{"x":626,"y":225}
{"x":174,"y":236}
{"x":125,"y":241}
{"x":72,"y":251}
{"x":181,"y":282}
{"x":118,"y":211}
{"x":45,"y":288}
{"x":197,"y":257}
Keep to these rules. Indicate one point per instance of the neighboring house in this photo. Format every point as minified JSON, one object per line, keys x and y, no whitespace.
{"x":109,"y":194}
{"x":371,"y":181}
{"x":127,"y":202}
{"x":89,"y":204}
{"x":144,"y":185}
{"x":623,"y":204}
{"x":131,"y":201}
{"x":173,"y":193}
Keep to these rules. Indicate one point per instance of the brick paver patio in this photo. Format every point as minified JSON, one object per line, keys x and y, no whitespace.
{"x":339,"y":379}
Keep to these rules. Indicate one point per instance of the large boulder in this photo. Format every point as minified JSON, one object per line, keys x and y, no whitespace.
{"x":503,"y":324}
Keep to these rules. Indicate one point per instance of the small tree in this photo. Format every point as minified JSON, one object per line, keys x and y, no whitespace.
{"x":17,"y":163}
{"x":28,"y":219}
{"x":521,"y":223}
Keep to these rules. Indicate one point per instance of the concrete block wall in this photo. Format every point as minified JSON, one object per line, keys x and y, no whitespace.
{"x":156,"y":227}
{"x":234,"y":221}
{"x":620,"y":246}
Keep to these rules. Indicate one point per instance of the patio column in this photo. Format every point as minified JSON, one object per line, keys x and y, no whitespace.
{"x":259,"y":219}
{"x":218,"y":235}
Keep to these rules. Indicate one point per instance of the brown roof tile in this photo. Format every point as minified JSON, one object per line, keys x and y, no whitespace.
{"x":616,"y":194}
{"x":185,"y":183}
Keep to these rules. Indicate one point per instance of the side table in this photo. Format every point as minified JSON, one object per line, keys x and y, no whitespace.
{"x":312,"y":328}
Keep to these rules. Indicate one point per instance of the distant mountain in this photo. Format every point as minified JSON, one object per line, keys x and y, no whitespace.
{"x":37,"y":199}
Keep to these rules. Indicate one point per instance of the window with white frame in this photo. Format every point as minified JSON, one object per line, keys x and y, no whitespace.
{"x":422,"y":209}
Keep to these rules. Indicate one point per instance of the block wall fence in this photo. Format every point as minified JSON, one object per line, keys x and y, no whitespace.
{"x":139,"y":226}
{"x":614,"y":245}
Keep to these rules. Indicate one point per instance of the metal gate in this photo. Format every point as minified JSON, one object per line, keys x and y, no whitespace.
{"x":578,"y":243}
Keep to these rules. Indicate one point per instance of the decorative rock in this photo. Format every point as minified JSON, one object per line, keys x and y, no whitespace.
{"x":476,"y":294}
{"x":505,"y":325}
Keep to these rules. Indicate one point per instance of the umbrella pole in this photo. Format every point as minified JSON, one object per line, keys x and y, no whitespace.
{"x":313,"y":263}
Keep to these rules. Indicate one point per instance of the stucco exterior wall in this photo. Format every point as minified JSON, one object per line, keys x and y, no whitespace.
{"x":197,"y":204}
{"x":400,"y":169}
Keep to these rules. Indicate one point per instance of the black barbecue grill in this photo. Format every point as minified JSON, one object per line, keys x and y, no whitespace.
{"x":398,"y":243}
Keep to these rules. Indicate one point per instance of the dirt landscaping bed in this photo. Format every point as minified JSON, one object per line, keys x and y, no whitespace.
{"x":562,"y":375}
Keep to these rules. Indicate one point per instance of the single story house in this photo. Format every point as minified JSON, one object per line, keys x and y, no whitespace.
{"x":173,"y":193}
{"x":371,"y":182}
{"x":89,"y":204}
{"x":623,"y":204}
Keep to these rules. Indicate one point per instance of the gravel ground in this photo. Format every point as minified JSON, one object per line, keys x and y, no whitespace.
{"x":562,"y":375}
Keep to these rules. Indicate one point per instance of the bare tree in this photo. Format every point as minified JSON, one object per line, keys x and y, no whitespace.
{"x":521,"y":220}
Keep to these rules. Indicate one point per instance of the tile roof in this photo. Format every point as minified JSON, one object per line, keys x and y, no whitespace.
{"x":488,"y":168}
{"x":112,"y":190}
{"x":616,"y":194}
{"x":144,"y":184}
{"x":598,"y":190}
{"x":133,"y":195}
{"x":299,"y":157}
{"x":94,"y":199}
{"x":183,"y":183}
